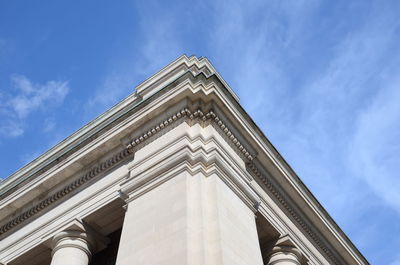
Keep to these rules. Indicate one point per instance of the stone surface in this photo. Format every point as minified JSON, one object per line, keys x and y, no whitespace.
{"x":71,"y":248}
{"x":192,"y":169}
{"x":190,"y":219}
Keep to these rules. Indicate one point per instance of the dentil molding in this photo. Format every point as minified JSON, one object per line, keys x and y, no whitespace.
{"x":67,"y":189}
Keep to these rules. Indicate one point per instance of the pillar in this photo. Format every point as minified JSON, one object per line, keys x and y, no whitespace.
{"x":189,"y":220}
{"x":71,"y":248}
{"x":285,"y":253}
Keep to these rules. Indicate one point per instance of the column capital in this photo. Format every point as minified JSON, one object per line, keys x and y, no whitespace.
{"x":73,"y":239}
{"x":72,"y":247}
{"x":285,"y":252}
{"x":78,"y":237}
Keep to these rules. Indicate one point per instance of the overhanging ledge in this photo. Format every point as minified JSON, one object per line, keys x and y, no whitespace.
{"x":196,"y":83}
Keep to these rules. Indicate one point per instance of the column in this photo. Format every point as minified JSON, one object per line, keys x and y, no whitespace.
{"x":189,"y":220}
{"x":71,"y":248}
{"x":285,"y":253}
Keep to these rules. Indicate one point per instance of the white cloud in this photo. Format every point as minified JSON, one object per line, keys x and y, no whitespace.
{"x":11,"y":128}
{"x":375,"y":149}
{"x":252,"y":40}
{"x":27,"y":98}
{"x":49,"y":125}
{"x":351,"y":108}
{"x":314,"y":122}
{"x":31,"y":96}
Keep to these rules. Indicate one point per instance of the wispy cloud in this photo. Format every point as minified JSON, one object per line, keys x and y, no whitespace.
{"x":26,"y":98}
{"x":316,"y":113}
{"x":157,"y":46}
{"x":333,"y":103}
{"x":375,"y":147}
{"x":31,"y":97}
{"x":333,"y":111}
{"x":161,"y":42}
{"x":397,"y":262}
{"x":11,"y":128}
{"x":254,"y":42}
{"x":49,"y":125}
{"x":112,"y":88}
{"x":319,"y":77}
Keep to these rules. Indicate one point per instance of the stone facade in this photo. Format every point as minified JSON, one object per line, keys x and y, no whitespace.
{"x":177,"y":173}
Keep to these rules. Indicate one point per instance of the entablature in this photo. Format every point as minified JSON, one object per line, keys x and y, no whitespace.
{"x":192,"y":94}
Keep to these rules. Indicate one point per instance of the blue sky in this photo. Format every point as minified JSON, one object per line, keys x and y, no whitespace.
{"x":321,"y":78}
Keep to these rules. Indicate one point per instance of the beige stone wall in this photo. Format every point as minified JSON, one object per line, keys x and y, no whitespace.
{"x":189,"y":220}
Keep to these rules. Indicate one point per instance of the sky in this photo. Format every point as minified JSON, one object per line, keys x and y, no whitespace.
{"x":320,"y":78}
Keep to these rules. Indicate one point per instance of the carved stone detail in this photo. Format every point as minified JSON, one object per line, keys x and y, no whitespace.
{"x":95,"y":171}
{"x":196,"y":116}
{"x":271,"y":187}
{"x":210,"y":115}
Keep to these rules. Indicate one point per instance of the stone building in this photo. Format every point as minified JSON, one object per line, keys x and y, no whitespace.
{"x":176,"y":173}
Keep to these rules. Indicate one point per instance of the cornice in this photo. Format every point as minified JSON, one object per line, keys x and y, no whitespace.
{"x":191,"y":157}
{"x":150,"y":87}
{"x":182,"y":64}
{"x":67,"y":189}
{"x":185,"y":114}
{"x":197,"y":115}
{"x":296,"y":216}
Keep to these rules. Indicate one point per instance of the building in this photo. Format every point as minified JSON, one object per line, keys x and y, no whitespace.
{"x":176,"y":173}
